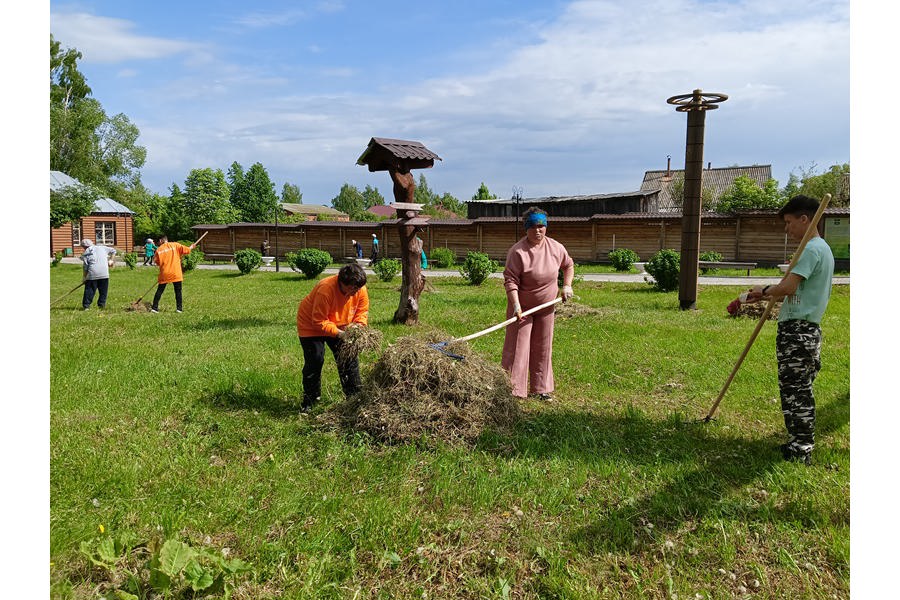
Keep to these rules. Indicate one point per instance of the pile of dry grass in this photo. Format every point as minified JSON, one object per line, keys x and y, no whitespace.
{"x":756,"y":309}
{"x":137,"y":306}
{"x":357,"y":339}
{"x":567,"y":310}
{"x":415,"y":393}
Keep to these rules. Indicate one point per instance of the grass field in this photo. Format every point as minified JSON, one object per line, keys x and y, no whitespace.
{"x":185,"y":427}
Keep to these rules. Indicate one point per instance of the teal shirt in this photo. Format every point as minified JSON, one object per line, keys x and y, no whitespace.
{"x":816,"y":267}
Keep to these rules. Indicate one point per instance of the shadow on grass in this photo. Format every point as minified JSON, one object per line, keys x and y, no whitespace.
{"x":207,"y":324}
{"x":252,"y":396}
{"x":714,"y":464}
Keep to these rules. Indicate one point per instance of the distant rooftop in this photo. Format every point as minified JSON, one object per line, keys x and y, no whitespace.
{"x":718,"y":180}
{"x":310,"y":209}
{"x":59,"y":180}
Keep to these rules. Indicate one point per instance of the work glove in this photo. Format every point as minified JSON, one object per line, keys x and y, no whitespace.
{"x":567,"y":293}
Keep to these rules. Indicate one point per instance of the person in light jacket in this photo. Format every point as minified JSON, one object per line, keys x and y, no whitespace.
{"x":96,"y":261}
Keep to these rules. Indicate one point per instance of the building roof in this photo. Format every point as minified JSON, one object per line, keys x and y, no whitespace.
{"x":59,"y":180}
{"x":380,"y":151}
{"x":382,"y":210}
{"x":311,"y":209}
{"x":718,"y":180}
{"x":546,"y":199}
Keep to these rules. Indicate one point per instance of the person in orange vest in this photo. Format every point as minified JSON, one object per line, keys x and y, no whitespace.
{"x":168,"y":257}
{"x":335,"y":303}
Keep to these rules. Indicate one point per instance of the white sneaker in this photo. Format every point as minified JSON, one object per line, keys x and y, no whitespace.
{"x":153,"y":310}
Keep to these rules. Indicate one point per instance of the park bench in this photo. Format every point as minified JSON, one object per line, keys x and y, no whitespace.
{"x":709,"y":264}
{"x":223,"y":257}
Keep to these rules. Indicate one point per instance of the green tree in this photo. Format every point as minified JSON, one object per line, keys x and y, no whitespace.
{"x":423,"y":193}
{"x":206,"y":198}
{"x":290,"y":194}
{"x":252,"y":194}
{"x":484,"y":193}
{"x":746,"y":194}
{"x":372,"y":197}
{"x":349,"y":200}
{"x":71,"y":203}
{"x":84,"y":142}
{"x":834,"y":181}
{"x":676,"y":191}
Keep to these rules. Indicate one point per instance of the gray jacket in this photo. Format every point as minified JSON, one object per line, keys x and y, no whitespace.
{"x":96,"y":261}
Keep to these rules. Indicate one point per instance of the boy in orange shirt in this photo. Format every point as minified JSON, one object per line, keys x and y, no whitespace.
{"x":322,"y":316}
{"x":168,"y":257}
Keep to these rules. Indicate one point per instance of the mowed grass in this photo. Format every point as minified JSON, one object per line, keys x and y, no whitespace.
{"x":186,"y":426}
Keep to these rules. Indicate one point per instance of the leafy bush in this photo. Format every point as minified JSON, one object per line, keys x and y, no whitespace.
{"x":190,"y":261}
{"x":477,"y":267}
{"x":309,"y":261}
{"x":386,"y":268}
{"x":443,"y":257}
{"x":57,"y":258}
{"x":247,"y":260}
{"x":162,"y":568}
{"x":664,"y":266}
{"x":711,"y":256}
{"x":623,"y":258}
{"x":130,"y":259}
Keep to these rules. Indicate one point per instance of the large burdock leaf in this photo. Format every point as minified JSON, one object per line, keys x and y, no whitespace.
{"x":174,"y":556}
{"x":199,"y":577}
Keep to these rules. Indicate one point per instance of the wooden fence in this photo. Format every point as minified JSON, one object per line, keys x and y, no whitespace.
{"x":754,"y":236}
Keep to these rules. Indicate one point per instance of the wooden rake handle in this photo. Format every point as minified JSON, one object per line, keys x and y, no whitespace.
{"x":509,"y":321}
{"x":765,"y":315}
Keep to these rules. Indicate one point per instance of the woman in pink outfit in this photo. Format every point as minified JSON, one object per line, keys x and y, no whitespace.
{"x":530,"y":278}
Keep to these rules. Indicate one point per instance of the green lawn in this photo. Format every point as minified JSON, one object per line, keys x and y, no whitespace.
{"x":185,"y":427}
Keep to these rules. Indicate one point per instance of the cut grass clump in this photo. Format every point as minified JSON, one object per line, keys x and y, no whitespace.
{"x":415,"y":393}
{"x":756,"y":309}
{"x":358,"y":339}
{"x":568,"y":310}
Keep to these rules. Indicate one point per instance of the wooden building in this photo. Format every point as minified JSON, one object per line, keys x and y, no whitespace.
{"x":752,"y":236}
{"x":110,"y":224}
{"x":715,"y":182}
{"x":568,"y":206}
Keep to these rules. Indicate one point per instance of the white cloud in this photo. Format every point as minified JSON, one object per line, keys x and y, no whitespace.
{"x":108,"y":40}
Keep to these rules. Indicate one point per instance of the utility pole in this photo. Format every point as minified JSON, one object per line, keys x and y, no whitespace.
{"x":695,"y":105}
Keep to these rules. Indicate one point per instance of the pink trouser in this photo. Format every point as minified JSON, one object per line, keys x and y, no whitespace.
{"x":527,"y":352}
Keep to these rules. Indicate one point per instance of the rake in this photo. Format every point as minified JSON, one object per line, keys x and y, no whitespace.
{"x":66,"y":295}
{"x":442,"y":346}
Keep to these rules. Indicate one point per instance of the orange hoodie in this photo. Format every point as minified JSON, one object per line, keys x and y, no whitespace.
{"x":168,"y":257}
{"x":325,"y":309}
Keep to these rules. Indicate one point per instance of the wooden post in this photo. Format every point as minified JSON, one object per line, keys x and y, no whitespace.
{"x":411,"y":260}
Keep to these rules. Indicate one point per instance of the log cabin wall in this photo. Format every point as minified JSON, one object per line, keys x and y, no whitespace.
{"x":755,"y":237}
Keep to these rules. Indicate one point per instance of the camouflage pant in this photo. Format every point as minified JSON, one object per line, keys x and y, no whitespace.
{"x":797,"y":346}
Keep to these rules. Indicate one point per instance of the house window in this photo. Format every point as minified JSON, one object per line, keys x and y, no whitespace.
{"x":76,"y":234}
{"x":105,"y":232}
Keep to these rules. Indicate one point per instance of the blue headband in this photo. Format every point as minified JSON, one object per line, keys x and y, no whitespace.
{"x":535,"y":219}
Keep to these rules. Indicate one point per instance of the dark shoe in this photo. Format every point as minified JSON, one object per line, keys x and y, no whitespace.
{"x":545,"y":397}
{"x":791,"y":456}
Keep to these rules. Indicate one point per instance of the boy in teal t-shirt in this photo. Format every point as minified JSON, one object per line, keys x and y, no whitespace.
{"x":805,"y":291}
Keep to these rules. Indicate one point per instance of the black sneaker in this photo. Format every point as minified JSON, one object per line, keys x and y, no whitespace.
{"x":545,"y":397}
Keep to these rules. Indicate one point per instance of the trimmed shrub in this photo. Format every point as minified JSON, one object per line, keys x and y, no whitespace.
{"x":247,"y":260}
{"x":190,"y":261}
{"x":57,"y":258}
{"x":711,"y":256}
{"x":623,"y":258}
{"x":309,"y":261}
{"x":386,"y":268}
{"x":130,"y":259}
{"x":664,"y":266}
{"x":477,"y":267}
{"x":443,"y":257}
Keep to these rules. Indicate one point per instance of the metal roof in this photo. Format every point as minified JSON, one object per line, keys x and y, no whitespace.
{"x":59,"y":180}
{"x":718,"y":180}
{"x":547,"y":199}
{"x":379,"y":153}
{"x":310,"y":209}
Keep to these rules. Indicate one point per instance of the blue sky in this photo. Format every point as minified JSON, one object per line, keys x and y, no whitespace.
{"x":554,"y":97}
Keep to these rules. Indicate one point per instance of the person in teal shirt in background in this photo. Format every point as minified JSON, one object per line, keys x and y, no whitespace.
{"x":424,"y":258}
{"x":805,"y":290}
{"x":149,"y":250}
